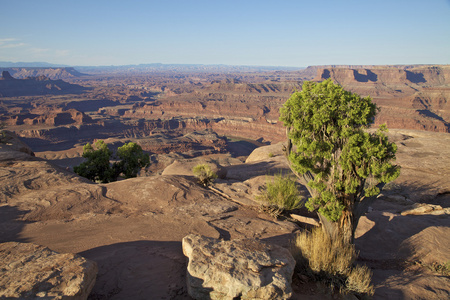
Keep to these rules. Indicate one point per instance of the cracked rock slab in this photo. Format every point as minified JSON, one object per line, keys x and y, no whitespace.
{"x":246,"y":268}
{"x":31,"y":271}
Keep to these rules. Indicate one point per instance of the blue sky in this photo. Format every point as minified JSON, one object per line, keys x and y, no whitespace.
{"x":246,"y":32}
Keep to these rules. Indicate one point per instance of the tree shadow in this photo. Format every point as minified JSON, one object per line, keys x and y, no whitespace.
{"x":283,"y":240}
{"x":388,"y":246}
{"x":387,"y":239}
{"x":419,"y":192}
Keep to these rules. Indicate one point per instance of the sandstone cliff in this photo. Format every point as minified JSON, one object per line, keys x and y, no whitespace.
{"x":412,"y":97}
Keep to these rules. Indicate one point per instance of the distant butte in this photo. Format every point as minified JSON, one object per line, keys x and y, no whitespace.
{"x":40,"y":85}
{"x":52,"y":73}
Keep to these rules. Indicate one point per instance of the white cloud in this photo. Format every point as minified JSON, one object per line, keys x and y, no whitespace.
{"x":7,"y":40}
{"x":62,"y":52}
{"x":10,"y":43}
{"x":14,"y":49}
{"x":35,"y":50}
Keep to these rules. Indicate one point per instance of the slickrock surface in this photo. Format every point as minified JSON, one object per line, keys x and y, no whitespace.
{"x":31,"y":271}
{"x":133,"y":228}
{"x":245,"y":268}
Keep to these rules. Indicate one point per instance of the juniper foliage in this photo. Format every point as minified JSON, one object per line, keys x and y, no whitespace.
{"x":340,"y":162}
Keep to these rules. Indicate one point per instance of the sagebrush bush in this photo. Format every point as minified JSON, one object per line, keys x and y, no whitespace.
{"x":204,"y":174}
{"x":282,"y":192}
{"x":330,"y":259}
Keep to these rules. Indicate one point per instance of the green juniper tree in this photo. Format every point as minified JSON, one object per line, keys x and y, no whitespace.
{"x":342,"y":165}
{"x":96,"y":167}
{"x":132,"y":158}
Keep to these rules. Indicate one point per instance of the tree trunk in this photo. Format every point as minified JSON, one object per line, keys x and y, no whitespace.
{"x":305,"y":178}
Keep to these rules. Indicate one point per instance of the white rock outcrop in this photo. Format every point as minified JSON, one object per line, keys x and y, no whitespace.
{"x":246,"y":268}
{"x":30,"y":271}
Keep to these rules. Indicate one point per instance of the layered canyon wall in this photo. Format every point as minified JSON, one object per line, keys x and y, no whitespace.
{"x":244,"y":105}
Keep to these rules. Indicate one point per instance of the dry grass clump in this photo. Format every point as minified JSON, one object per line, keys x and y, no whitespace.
{"x":359,"y":280}
{"x":330,"y":260}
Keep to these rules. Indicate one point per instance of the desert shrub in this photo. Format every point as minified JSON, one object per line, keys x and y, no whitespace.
{"x":281,"y":192}
{"x":330,"y":260}
{"x":204,"y":174}
{"x":271,"y":154}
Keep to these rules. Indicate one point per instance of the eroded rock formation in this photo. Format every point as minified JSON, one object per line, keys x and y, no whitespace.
{"x":31,"y":271}
{"x":246,"y":269}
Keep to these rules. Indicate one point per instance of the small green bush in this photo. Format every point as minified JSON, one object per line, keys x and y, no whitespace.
{"x":330,"y":259}
{"x":204,"y":174}
{"x":271,"y":154}
{"x":281,"y":192}
{"x":441,"y":268}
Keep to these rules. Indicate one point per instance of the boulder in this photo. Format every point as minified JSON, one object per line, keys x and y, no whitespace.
{"x":244,"y":269}
{"x":32,"y":271}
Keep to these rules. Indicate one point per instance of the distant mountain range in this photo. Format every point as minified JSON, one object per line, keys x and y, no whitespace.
{"x":8,"y":64}
{"x":149,"y":67}
{"x":191,"y":68}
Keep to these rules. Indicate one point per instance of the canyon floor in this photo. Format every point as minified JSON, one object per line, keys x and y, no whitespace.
{"x":227,"y":118}
{"x":133,"y":228}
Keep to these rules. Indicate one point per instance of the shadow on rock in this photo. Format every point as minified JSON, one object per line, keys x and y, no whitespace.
{"x":10,"y":224}
{"x":250,"y":170}
{"x":139,"y":270}
{"x":389,"y":243}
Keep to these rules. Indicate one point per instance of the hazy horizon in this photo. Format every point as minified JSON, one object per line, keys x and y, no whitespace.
{"x":234,"y":33}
